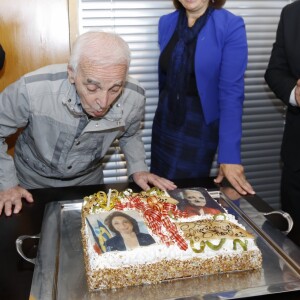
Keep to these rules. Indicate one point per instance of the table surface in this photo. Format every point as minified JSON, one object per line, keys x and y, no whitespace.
{"x":16,"y":273}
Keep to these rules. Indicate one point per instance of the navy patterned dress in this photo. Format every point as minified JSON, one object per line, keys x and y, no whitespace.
{"x":183,"y":145}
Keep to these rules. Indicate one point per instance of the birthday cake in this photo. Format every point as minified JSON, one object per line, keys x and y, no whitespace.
{"x":149,"y":237}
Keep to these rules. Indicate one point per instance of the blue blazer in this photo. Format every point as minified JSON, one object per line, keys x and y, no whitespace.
{"x":220,"y":64}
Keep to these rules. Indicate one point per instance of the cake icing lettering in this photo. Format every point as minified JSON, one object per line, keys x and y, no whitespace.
{"x":207,"y":243}
{"x":242,"y":244}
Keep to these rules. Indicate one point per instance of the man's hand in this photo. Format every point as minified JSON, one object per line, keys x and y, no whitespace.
{"x":297,"y":92}
{"x":13,"y":197}
{"x":235,"y":175}
{"x":143,"y":179}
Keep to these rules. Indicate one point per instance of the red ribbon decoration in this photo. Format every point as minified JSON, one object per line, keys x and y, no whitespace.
{"x":157,"y":216}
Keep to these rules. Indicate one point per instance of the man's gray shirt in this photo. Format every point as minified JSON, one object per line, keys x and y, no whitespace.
{"x":59,"y":145}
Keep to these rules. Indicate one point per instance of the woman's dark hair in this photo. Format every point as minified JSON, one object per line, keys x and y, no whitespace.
{"x":212,"y":3}
{"x":108,"y":221}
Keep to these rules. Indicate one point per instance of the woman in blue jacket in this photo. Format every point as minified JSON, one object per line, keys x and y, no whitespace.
{"x":201,"y":91}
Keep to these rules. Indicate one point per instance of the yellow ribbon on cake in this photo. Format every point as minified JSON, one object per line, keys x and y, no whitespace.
{"x":100,"y":200}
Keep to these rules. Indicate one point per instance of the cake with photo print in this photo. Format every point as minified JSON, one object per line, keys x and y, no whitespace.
{"x":150,"y":237}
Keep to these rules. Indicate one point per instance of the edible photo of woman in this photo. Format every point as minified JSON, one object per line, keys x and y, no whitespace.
{"x":118,"y":231}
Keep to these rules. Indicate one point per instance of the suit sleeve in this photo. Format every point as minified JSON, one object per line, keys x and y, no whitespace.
{"x":2,"y":57}
{"x":278,"y":74}
{"x":14,"y":114}
{"x":231,"y":92}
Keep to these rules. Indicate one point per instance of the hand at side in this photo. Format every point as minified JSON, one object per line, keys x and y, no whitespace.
{"x":11,"y":200}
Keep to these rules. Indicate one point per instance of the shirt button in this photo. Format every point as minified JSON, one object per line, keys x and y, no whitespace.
{"x":69,"y":167}
{"x":77,"y":143}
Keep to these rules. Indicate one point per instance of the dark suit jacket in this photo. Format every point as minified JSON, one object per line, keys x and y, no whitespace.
{"x":282,"y":74}
{"x":2,"y":57}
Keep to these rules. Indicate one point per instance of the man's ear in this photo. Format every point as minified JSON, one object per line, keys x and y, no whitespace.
{"x":71,"y":74}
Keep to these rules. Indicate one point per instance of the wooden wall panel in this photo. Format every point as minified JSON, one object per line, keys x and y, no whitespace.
{"x":33,"y":33}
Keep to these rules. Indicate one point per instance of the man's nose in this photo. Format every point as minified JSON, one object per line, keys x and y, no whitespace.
{"x":102,"y":99}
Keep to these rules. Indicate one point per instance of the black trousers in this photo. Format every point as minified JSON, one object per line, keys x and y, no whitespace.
{"x":290,"y":200}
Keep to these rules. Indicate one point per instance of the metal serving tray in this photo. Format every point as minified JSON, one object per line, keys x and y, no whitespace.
{"x":60,"y":274}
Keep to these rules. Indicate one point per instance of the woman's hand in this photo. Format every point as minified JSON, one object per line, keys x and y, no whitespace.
{"x":236,"y":176}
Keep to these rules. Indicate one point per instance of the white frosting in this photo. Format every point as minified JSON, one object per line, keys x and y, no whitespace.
{"x":157,"y":252}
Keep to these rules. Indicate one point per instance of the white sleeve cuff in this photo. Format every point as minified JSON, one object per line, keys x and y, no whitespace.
{"x":293,"y":101}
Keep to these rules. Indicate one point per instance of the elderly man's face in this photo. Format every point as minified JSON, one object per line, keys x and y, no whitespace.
{"x":195,"y":198}
{"x":98,"y":86}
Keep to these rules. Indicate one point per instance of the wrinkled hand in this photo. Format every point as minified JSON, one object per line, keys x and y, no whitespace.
{"x":13,"y":197}
{"x":235,"y":175}
{"x":297,"y":92}
{"x":143,"y":179}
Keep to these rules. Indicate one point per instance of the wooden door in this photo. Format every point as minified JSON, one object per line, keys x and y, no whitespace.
{"x":33,"y":33}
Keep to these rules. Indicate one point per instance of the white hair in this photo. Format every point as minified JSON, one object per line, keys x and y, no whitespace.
{"x":101,"y":48}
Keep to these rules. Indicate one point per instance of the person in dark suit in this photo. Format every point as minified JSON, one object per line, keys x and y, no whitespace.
{"x":127,"y":233}
{"x":283,"y":77}
{"x":2,"y":57}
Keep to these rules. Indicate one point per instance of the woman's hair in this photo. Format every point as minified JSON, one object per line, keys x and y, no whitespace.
{"x":100,"y":48}
{"x":109,"y":219}
{"x":212,"y":3}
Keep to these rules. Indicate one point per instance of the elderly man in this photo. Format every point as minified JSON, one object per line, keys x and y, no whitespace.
{"x":71,"y":114}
